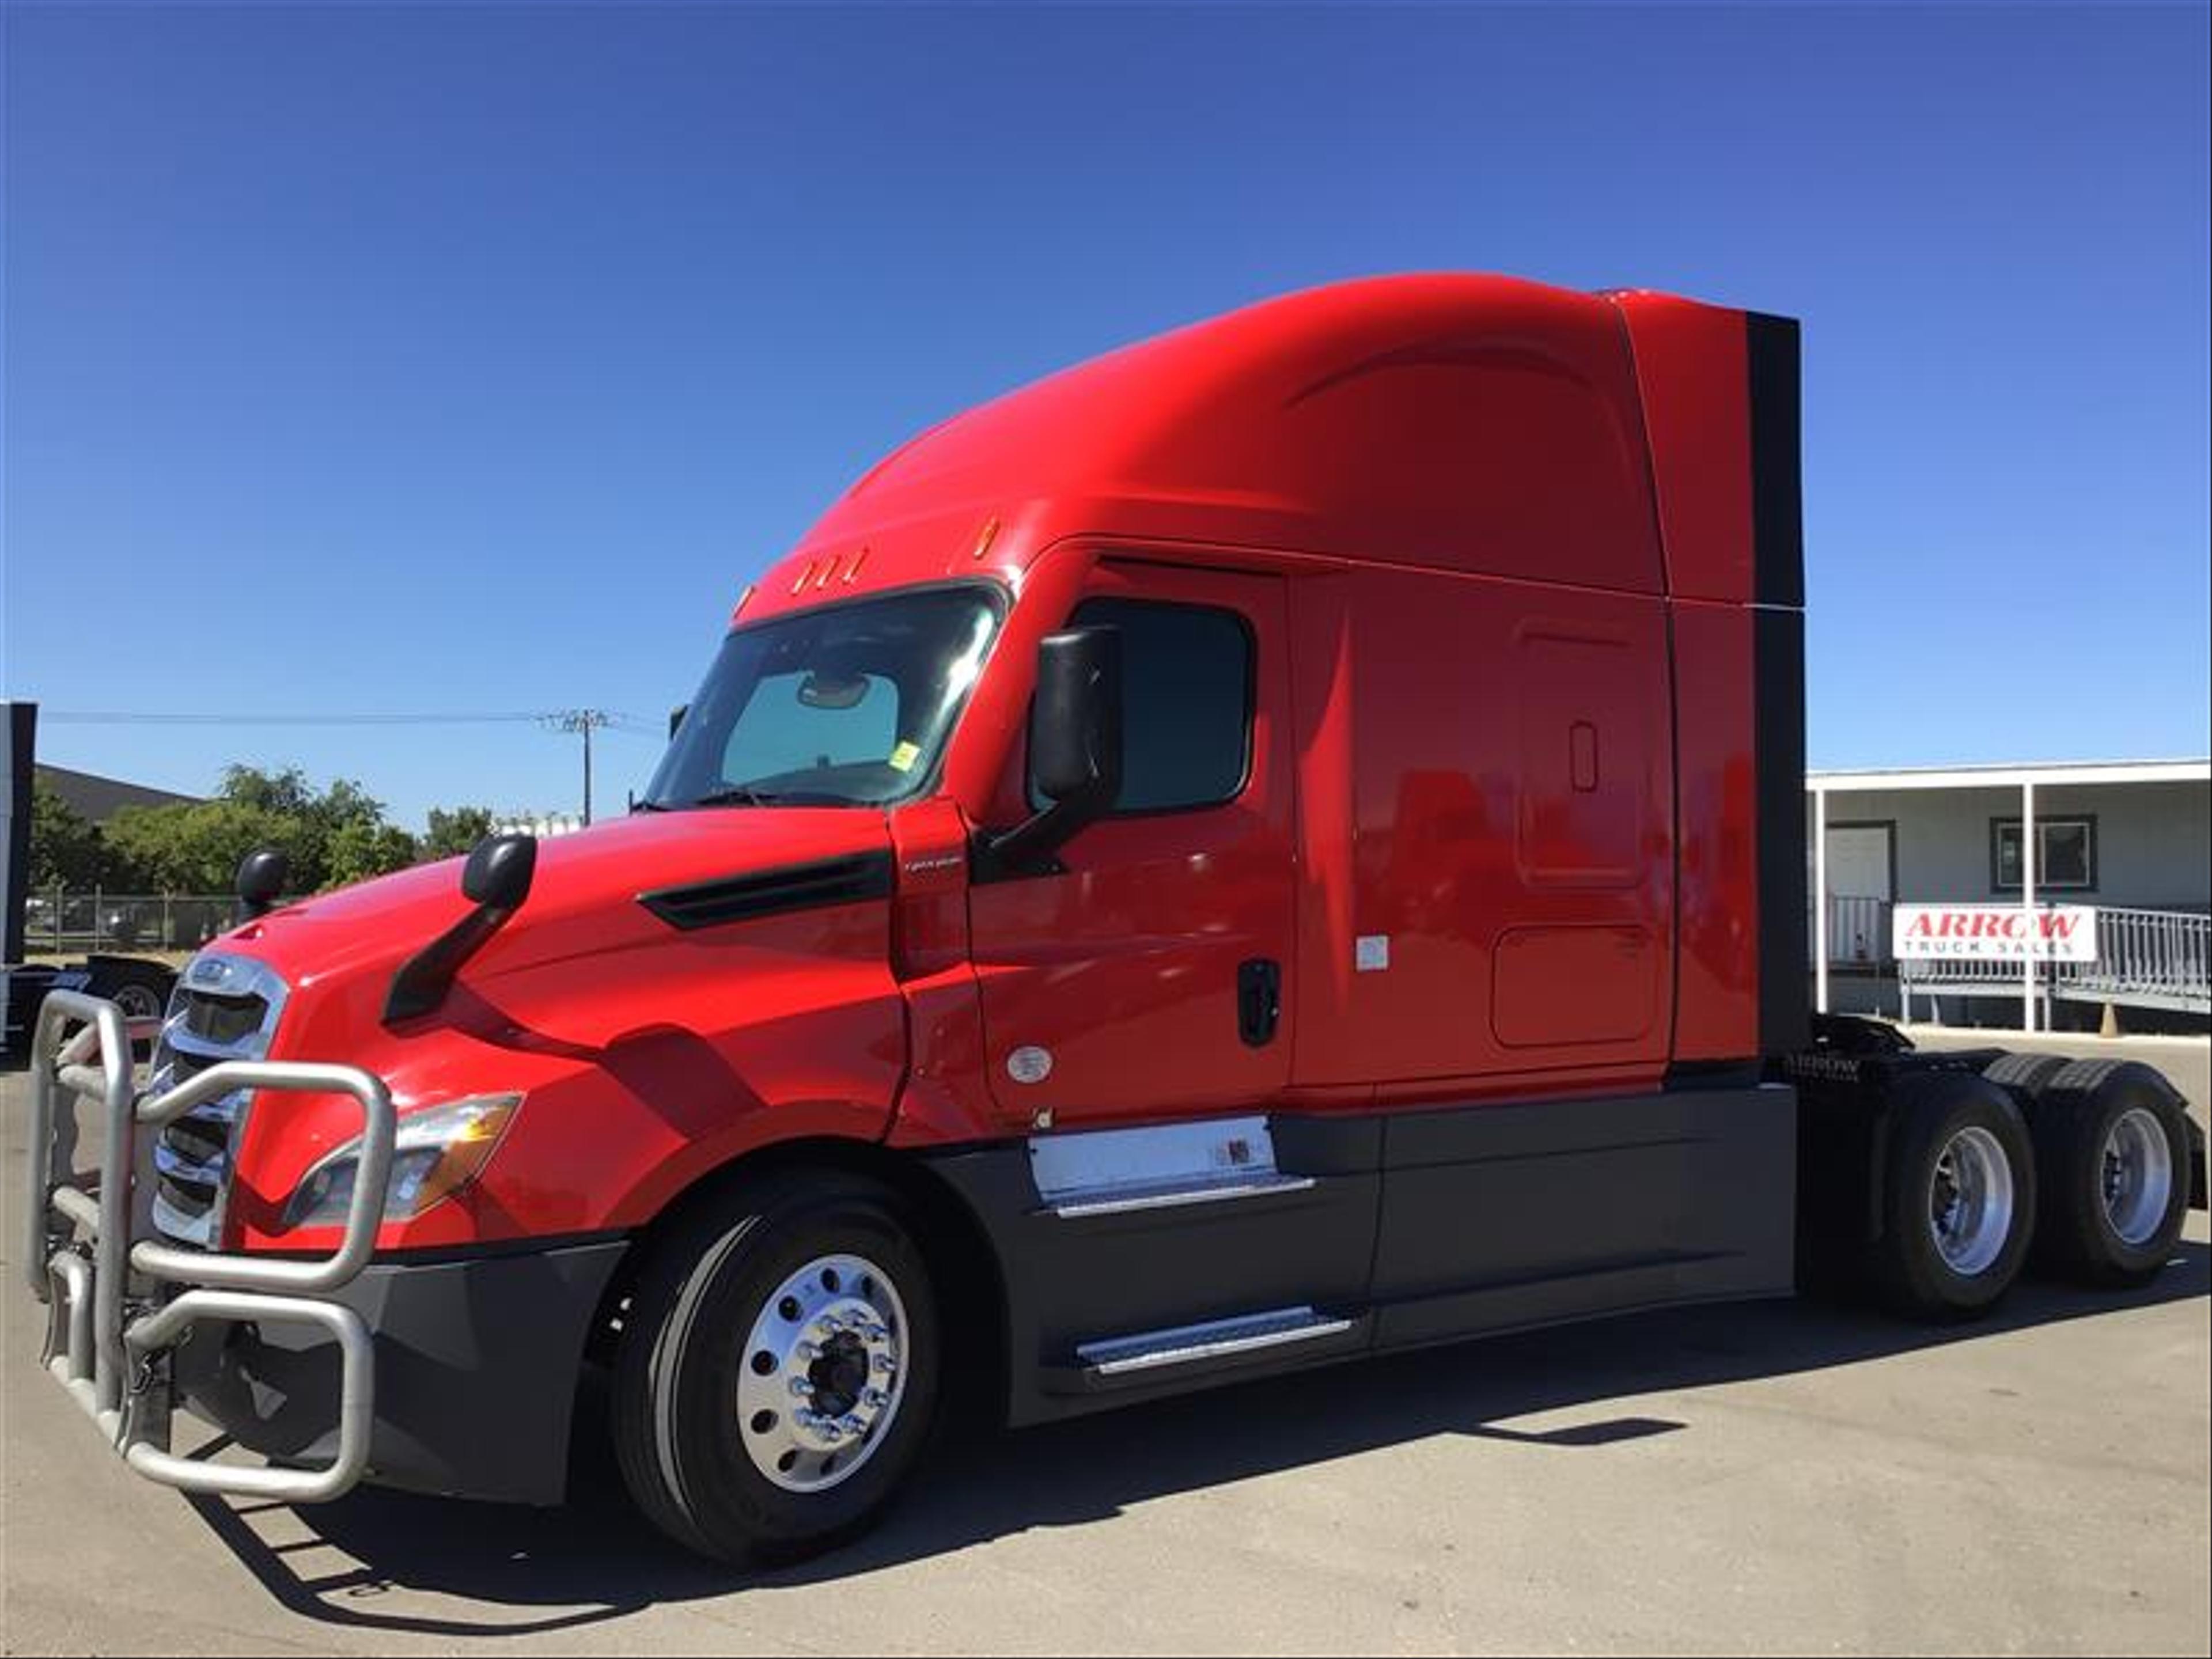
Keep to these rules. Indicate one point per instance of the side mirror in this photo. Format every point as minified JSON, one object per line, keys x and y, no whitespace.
{"x":1075,"y":744}
{"x":498,"y":873}
{"x":260,"y":880}
{"x":1075,"y":730}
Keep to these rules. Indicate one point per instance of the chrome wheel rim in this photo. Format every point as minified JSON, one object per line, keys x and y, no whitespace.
{"x":2135,"y":1176}
{"x":138,"y":1002}
{"x":823,"y":1373}
{"x":1970,"y":1201}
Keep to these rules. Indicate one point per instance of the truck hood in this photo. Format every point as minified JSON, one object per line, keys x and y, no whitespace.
{"x":585,"y":896}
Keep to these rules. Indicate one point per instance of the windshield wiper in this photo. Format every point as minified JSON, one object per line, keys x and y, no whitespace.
{"x":736,"y":794}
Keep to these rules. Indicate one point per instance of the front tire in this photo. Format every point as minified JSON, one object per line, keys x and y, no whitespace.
{"x":778,"y":1371}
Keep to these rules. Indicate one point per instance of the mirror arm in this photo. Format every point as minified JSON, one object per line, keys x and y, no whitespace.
{"x":1027,"y":848}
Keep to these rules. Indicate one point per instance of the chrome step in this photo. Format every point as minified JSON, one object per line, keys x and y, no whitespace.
{"x":1122,"y":1200}
{"x":1219,"y":1338}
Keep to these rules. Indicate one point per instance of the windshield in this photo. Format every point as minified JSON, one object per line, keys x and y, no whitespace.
{"x":846,"y":705}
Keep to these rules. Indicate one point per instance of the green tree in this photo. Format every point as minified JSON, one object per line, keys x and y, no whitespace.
{"x":195,"y":847}
{"x":360,"y":849}
{"x":330,"y":835}
{"x":455,"y":829}
{"x":67,"y":849}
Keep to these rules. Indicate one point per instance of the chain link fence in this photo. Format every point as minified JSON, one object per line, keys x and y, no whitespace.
{"x":59,"y":921}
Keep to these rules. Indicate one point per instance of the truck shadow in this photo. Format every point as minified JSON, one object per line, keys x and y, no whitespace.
{"x":393,"y":1562}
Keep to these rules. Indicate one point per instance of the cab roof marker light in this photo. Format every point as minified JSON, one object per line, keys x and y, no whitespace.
{"x":985,"y":536}
{"x":858,"y":559}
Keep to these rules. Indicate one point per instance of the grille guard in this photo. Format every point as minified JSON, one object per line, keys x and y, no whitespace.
{"x":117,"y":1303}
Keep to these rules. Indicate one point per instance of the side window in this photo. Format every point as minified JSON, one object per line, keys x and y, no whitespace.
{"x":1187,"y":715}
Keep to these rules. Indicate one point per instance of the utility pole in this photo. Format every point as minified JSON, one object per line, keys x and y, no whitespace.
{"x":584,"y":722}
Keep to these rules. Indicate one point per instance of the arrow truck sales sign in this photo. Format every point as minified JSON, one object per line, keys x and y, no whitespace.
{"x":2065,"y":932}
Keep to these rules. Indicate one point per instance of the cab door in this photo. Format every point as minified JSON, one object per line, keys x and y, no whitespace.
{"x":1146,"y":976}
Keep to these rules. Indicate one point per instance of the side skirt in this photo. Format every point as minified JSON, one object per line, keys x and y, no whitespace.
{"x":1149,"y":1262}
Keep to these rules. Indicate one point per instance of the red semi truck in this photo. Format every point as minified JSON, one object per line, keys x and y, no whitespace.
{"x":1281,"y":843}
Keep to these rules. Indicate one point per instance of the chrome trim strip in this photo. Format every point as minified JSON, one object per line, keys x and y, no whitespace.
{"x":195,"y":1230}
{"x":224,"y":1109}
{"x":1170,"y":1198}
{"x":177,"y":1040}
{"x":1219,"y":1338}
{"x":170,"y":1162}
{"x":218,"y":974}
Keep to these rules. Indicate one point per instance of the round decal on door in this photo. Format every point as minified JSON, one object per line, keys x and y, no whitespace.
{"x":1029,"y":1064}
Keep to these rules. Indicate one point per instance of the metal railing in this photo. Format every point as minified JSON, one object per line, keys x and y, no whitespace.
{"x":116,"y":1304}
{"x":1858,"y":932}
{"x":2150,"y":959}
{"x":65,"y":921}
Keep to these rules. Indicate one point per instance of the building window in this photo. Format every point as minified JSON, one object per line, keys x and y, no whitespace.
{"x":2066,"y":854}
{"x":1187,"y":702}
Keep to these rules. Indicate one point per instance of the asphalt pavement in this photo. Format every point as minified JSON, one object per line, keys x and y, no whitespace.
{"x":1785,"y":1476}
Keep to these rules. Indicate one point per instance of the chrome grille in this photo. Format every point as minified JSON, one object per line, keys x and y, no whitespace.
{"x":225,"y":1008}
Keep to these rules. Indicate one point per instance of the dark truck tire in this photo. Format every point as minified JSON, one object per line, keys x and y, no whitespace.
{"x":1957,"y":1198}
{"x":2113,"y":1147}
{"x":2025,"y":1075}
{"x":139,"y":987}
{"x":777,"y":1373}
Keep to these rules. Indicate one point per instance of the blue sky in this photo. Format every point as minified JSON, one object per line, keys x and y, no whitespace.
{"x":415,"y":358}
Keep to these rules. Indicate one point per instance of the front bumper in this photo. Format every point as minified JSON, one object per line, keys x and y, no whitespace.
{"x":453,"y":1374}
{"x":476,"y":1360}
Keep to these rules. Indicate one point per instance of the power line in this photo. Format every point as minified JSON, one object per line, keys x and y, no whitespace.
{"x":112,"y":717}
{"x":581,"y":722}
{"x":632,"y":725}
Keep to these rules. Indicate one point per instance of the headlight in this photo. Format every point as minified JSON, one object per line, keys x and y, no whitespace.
{"x":435,"y":1154}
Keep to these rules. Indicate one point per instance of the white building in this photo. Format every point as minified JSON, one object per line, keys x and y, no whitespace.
{"x":2130,"y":839}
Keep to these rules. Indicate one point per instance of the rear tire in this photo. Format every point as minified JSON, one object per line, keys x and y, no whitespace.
{"x":2025,"y":1075}
{"x":2113,"y":1146}
{"x":1959,"y":1200}
{"x":778,"y":1370}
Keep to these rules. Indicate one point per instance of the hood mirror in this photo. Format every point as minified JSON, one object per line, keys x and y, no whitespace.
{"x":498,"y":873}
{"x":495,"y":881}
{"x":260,"y":880}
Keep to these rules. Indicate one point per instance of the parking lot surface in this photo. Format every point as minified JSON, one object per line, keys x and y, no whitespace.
{"x":1783,"y":1476}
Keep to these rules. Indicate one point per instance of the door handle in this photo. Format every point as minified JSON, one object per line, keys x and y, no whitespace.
{"x":1258,"y":1001}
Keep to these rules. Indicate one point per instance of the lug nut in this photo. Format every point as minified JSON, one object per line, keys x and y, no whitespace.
{"x":802,"y":1389}
{"x":885,"y":1364}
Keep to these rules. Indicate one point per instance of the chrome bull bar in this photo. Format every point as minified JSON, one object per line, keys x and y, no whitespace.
{"x":117,"y":1303}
